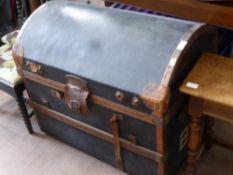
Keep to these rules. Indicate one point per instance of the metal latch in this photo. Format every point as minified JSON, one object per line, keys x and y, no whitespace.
{"x":35,"y":68}
{"x":76,"y":93}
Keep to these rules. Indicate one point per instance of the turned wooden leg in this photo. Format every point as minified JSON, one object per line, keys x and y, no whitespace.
{"x":194,"y":143}
{"x":209,"y":134}
{"x":24,"y":111}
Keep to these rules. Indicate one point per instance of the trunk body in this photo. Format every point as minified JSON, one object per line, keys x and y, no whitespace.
{"x":106,"y":81}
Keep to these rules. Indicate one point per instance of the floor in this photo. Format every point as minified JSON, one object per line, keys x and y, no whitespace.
{"x":39,"y":154}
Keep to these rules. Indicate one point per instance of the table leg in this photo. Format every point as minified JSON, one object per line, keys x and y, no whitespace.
{"x":209,"y":134}
{"x":194,"y":143}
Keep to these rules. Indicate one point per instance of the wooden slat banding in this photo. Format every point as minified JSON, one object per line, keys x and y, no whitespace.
{"x":44,"y":81}
{"x":98,"y":133}
{"x":125,"y":110}
{"x":97,"y":100}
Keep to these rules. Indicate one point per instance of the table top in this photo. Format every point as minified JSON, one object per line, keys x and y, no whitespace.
{"x":211,"y":79}
{"x":216,"y":13}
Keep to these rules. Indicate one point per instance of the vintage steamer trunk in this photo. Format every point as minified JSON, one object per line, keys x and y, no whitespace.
{"x":106,"y":81}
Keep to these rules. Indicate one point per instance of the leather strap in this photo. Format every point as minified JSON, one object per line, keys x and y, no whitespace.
{"x":116,"y":138}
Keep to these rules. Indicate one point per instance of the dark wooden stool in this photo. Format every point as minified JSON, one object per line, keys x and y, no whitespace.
{"x":16,"y":91}
{"x":210,"y":87}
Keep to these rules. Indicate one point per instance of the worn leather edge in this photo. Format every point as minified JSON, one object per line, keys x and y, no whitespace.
{"x":182,"y":45}
{"x":156,"y":98}
{"x":187,"y":40}
{"x":18,"y":56}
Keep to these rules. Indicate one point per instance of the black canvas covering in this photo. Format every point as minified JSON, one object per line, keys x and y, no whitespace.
{"x":106,"y":45}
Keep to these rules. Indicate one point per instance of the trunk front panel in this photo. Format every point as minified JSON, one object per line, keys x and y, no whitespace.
{"x":96,"y":147}
{"x":98,"y":116}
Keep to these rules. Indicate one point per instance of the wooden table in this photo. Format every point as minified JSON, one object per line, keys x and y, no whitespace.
{"x":210,"y":87}
{"x":219,"y":14}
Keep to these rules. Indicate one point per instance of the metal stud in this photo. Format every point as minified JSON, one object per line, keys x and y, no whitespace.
{"x":119,"y":95}
{"x":136,"y":101}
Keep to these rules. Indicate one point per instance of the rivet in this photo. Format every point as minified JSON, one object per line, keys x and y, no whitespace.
{"x":119,"y":95}
{"x":136,"y":101}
